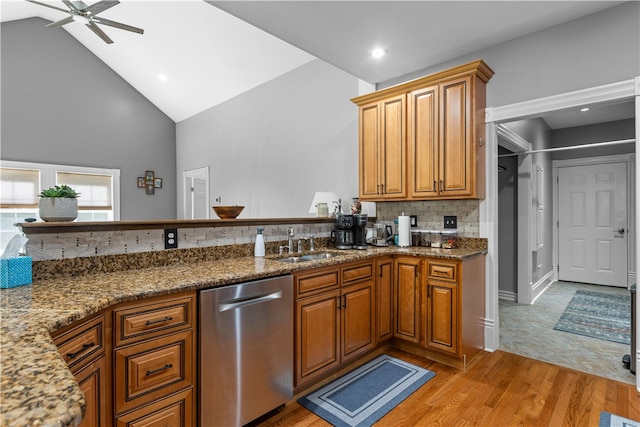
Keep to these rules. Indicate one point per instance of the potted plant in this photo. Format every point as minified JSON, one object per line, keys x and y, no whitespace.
{"x":59,"y":203}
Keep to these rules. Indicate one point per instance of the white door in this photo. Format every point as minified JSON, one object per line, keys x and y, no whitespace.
{"x":196,"y":193}
{"x":592,"y":212}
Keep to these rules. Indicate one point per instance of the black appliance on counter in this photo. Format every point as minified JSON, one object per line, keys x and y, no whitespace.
{"x":344,"y":232}
{"x":360,"y":231}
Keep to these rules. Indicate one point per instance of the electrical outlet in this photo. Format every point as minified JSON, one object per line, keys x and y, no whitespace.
{"x":450,"y":221}
{"x":218,"y":199}
{"x":170,"y":238}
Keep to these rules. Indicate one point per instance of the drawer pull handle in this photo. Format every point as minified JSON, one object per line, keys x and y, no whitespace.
{"x":441,"y":272}
{"x":155,"y":371}
{"x":84,"y":348}
{"x":151,"y":322}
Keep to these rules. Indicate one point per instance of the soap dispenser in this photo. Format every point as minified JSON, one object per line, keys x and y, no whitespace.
{"x":258,"y":250}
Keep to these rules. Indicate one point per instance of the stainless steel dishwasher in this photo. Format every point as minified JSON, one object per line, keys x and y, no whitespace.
{"x":246,"y":350}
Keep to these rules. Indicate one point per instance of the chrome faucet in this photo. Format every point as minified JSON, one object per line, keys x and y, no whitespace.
{"x":290,"y":234}
{"x":311,"y":247}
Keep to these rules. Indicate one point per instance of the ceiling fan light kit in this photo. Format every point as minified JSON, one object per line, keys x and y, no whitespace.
{"x":87,"y":14}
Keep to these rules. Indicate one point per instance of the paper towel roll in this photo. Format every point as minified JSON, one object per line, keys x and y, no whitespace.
{"x":404,"y":230}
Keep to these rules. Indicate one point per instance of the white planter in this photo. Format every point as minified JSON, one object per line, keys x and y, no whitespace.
{"x":58,"y":209}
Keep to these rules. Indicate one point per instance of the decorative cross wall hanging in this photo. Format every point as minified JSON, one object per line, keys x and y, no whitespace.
{"x":149,"y":182}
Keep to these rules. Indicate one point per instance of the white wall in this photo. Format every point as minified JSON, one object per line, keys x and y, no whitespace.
{"x":271,"y":148}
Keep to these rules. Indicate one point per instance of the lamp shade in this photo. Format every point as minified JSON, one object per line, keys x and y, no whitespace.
{"x":328,"y":197}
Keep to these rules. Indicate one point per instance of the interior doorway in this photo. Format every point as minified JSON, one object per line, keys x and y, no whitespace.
{"x":196,"y":193}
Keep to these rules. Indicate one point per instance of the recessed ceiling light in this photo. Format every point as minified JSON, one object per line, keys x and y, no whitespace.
{"x":378,"y":53}
{"x":584,"y":109}
{"x":162,"y":77}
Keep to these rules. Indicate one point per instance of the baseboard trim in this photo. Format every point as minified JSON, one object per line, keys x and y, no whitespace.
{"x":508,"y":295}
{"x":541,"y":285}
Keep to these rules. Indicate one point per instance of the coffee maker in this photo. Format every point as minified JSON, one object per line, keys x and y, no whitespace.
{"x":344,"y":231}
{"x":360,"y":228}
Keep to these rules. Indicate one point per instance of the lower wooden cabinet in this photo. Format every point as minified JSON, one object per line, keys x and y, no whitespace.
{"x":152,"y":369}
{"x":92,"y":379}
{"x":384,"y":298}
{"x":334,"y":326}
{"x":174,"y":411}
{"x":442,"y":317}
{"x":407,"y":298}
{"x":85,"y":347}
{"x":155,"y":361}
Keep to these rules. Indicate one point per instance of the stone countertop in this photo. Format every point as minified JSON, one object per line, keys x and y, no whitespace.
{"x":37,"y":388}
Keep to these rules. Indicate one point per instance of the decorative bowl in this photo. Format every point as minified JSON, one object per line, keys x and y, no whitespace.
{"x":227,"y":212}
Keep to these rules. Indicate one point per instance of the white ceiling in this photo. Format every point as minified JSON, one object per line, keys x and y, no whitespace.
{"x":209,"y":56}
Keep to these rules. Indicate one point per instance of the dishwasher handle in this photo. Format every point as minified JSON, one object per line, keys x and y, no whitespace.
{"x":233,"y":304}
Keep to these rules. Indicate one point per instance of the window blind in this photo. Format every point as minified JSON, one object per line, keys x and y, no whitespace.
{"x":19,"y":188}
{"x":95,"y":190}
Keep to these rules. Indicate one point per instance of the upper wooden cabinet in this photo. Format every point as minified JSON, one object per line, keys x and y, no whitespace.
{"x":382,"y":149}
{"x":424,"y":139}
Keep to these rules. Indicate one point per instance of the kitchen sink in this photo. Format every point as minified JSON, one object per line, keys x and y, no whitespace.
{"x":308,"y":257}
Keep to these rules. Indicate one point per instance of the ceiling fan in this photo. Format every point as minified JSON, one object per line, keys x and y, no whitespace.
{"x":81,"y":12}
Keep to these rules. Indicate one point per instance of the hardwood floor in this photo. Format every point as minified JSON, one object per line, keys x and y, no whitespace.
{"x":498,"y":389}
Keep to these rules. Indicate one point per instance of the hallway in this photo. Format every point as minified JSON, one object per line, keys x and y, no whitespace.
{"x":527,"y":330}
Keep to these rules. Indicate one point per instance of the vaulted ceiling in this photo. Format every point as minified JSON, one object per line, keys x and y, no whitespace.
{"x":195,"y":54}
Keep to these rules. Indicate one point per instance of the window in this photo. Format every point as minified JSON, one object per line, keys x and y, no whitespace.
{"x":20,"y":184}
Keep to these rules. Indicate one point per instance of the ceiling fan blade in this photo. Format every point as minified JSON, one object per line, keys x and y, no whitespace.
{"x":79,"y":5}
{"x":48,"y":5}
{"x":70,"y":5}
{"x":115,"y":24}
{"x":61,"y":22}
{"x":93,"y":27}
{"x":101,"y":6}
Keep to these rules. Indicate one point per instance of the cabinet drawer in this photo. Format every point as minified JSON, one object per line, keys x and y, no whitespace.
{"x":174,"y":411}
{"x":82,"y":342}
{"x":356,"y":272}
{"x":443,"y":271}
{"x":316,"y":280}
{"x":142,"y":321}
{"x":150,"y":370}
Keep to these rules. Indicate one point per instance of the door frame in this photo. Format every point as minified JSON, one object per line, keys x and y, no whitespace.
{"x":202,"y":172}
{"x":629,"y":159}
{"x":627,"y":89}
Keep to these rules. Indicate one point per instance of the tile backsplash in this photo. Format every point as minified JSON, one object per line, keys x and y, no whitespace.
{"x":49,"y":246}
{"x":431,"y":214}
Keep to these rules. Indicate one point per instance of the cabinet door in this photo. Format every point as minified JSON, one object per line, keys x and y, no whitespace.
{"x":456,"y":150}
{"x":368,"y":151}
{"x":384,"y":299}
{"x":317,"y":335}
{"x":422,"y":123}
{"x":442,"y":316}
{"x":357,"y":319}
{"x":393,"y":159}
{"x":406,"y":308}
{"x":93,"y":383}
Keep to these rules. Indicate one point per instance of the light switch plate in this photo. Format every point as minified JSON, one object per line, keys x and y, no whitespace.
{"x":450,"y":221}
{"x":170,"y":238}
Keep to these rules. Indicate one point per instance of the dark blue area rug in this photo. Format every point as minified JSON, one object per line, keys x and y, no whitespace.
{"x":363,"y":396}
{"x":598,"y":315}
{"x":610,"y":420}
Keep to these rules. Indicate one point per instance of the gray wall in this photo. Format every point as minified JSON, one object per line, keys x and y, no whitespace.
{"x":270,"y":149}
{"x":602,"y":132}
{"x":594,"y":50}
{"x":538,"y":133}
{"x":63,"y":105}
